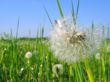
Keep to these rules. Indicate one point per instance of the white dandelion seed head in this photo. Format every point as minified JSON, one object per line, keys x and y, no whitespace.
{"x":98,"y":56}
{"x":28,"y":55}
{"x":57,"y":69}
{"x":108,"y":48}
{"x":70,"y":44}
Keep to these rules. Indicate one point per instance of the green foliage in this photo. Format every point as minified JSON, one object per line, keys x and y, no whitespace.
{"x":39,"y":67}
{"x":60,"y":9}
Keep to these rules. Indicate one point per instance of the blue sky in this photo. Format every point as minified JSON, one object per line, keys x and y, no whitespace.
{"x":32,"y":14}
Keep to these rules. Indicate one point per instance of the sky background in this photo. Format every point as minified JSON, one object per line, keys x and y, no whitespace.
{"x":32,"y":14}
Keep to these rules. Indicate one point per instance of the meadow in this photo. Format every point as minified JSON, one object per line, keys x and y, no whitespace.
{"x":15,"y":67}
{"x":32,"y":60}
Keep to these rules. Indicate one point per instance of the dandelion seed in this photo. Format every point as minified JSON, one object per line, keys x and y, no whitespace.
{"x":57,"y":69}
{"x":28,"y":55}
{"x":70,"y":44}
{"x":98,"y":56}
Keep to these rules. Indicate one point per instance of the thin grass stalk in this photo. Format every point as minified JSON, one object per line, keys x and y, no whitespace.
{"x":70,"y":73}
{"x":17,"y":28}
{"x":48,"y":15}
{"x":103,"y":59}
{"x":73,"y":13}
{"x":60,"y":9}
{"x":88,"y":70}
{"x":77,"y":9}
{"x":103,"y":70}
{"x":108,"y":32}
{"x":78,"y":73}
{"x":75,"y":16}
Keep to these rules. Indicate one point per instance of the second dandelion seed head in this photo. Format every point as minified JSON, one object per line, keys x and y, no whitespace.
{"x":28,"y":55}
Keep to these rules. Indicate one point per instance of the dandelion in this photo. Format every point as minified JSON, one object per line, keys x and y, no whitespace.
{"x":70,"y":44}
{"x":98,"y":56}
{"x":108,"y":48}
{"x":57,"y":69}
{"x":28,"y":55}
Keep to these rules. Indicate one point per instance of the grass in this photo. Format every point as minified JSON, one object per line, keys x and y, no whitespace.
{"x":14,"y":67}
{"x":39,"y":68}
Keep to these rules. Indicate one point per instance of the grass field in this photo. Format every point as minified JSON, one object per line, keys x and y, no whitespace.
{"x":15,"y":67}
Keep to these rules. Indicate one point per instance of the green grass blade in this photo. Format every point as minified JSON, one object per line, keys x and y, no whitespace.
{"x":48,"y":16}
{"x":108,"y":31}
{"x":73,"y":14}
{"x":17,"y":28}
{"x":60,"y":9}
{"x":77,"y":9}
{"x":88,"y":70}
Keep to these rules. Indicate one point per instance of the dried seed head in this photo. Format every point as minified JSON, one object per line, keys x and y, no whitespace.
{"x":98,"y":56}
{"x":28,"y":55}
{"x":108,"y":48}
{"x":70,"y":44}
{"x":57,"y":69}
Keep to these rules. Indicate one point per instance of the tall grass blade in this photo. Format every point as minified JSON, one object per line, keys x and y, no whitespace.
{"x":60,"y":9}
{"x":88,"y":70}
{"x":17,"y":28}
{"x":48,"y":16}
{"x":77,"y":9}
{"x":73,"y":13}
{"x":103,"y":70}
{"x":108,"y":32}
